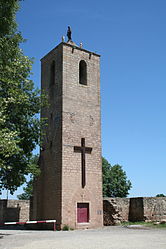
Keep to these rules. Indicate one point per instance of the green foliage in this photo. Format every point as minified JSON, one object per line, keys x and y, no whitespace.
{"x":106,"y":171}
{"x":8,"y":10}
{"x":19,"y":103}
{"x":160,"y":195}
{"x":115,"y":183}
{"x":66,"y":228}
{"x":28,"y":189}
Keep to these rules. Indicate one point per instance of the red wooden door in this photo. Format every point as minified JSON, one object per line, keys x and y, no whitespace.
{"x":82,"y":212}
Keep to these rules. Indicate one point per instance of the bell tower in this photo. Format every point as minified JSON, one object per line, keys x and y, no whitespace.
{"x":69,"y":188}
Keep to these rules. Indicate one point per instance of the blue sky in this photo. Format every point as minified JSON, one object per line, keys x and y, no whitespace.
{"x":130,"y":35}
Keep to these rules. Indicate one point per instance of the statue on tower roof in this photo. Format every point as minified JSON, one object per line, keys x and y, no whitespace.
{"x":69,"y":34}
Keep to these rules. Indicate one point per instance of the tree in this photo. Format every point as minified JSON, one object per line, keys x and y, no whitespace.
{"x":115,"y":183}
{"x":160,"y":195}
{"x":106,"y":171}
{"x":28,"y":189}
{"x":19,"y":103}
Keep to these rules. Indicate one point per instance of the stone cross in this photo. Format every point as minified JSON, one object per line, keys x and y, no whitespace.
{"x":83,"y":150}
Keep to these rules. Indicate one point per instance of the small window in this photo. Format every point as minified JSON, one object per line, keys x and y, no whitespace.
{"x":82,"y":73}
{"x":52,"y":73}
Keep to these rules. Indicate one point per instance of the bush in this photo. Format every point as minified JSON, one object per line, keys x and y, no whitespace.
{"x":65,"y":228}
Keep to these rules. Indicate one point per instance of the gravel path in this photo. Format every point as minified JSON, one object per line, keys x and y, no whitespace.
{"x":106,"y":238}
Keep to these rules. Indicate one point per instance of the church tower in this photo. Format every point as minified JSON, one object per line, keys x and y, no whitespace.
{"x":69,"y":188}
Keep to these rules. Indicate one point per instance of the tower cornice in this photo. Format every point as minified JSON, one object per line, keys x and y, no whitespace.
{"x":73,"y":46}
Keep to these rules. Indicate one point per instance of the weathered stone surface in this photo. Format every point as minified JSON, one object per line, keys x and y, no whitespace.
{"x":134,"y":209}
{"x":154,"y":208}
{"x":14,"y":210}
{"x":73,"y":113}
{"x":115,"y":210}
{"x":147,"y":209}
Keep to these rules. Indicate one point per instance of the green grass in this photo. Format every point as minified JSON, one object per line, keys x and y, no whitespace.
{"x":146,"y":224}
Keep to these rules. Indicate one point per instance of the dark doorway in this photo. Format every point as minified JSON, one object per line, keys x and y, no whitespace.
{"x":82,"y":212}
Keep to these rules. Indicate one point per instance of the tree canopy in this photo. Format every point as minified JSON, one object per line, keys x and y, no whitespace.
{"x":160,"y":195}
{"x":28,"y":189}
{"x":115,"y":182}
{"x":19,"y":103}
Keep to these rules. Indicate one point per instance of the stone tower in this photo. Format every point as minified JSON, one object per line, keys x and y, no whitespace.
{"x":69,"y":188}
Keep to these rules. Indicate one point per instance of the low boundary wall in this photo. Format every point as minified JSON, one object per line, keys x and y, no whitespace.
{"x":115,"y":210}
{"x":14,"y":210}
{"x":134,"y":209}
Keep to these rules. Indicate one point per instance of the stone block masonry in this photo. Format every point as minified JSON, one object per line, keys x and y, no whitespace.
{"x":115,"y":210}
{"x":147,"y":209}
{"x":134,"y":209}
{"x":14,"y":210}
{"x":69,"y":188}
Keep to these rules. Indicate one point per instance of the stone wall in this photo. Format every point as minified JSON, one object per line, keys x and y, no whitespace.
{"x":14,"y":210}
{"x":134,"y":209}
{"x":115,"y":210}
{"x":148,"y":209}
